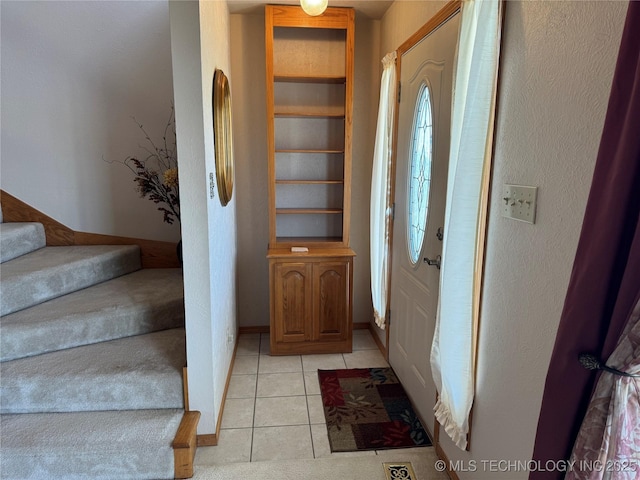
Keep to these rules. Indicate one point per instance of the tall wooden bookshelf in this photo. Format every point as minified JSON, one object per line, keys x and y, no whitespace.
{"x":309,"y":67}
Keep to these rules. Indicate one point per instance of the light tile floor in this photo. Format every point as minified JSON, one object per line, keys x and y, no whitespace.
{"x":273,"y":409}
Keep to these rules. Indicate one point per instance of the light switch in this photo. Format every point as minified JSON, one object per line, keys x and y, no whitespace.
{"x":519,"y":203}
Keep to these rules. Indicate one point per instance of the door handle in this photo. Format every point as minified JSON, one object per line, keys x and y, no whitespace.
{"x":433,"y":263}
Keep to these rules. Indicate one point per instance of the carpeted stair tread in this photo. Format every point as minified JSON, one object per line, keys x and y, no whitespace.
{"x":17,"y":239}
{"x":55,"y":271}
{"x":141,"y":372}
{"x":140,"y":302}
{"x":95,"y":445}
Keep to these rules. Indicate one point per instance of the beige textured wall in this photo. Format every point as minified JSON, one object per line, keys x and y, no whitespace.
{"x":557,"y":64}
{"x":250,"y":135}
{"x":249,"y":109}
{"x":73,"y":75}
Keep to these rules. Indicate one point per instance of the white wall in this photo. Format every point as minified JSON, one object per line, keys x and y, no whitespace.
{"x":557,"y":64}
{"x":73,"y":75}
{"x":200,"y":43}
{"x":248,"y":67}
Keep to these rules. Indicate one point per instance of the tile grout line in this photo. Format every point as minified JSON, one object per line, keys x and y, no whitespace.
{"x":313,"y":450}
{"x":255,"y":395}
{"x":306,"y":391}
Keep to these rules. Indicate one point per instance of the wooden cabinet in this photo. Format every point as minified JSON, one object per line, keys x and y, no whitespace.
{"x":311,"y":302}
{"x":309,"y":67}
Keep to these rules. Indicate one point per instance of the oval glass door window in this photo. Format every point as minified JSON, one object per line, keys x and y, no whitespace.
{"x":420,"y":173}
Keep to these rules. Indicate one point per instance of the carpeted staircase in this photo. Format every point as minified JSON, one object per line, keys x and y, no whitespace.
{"x":92,"y":349}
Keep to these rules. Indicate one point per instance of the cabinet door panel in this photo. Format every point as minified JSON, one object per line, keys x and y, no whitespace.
{"x":293,"y":302}
{"x":331,"y":294}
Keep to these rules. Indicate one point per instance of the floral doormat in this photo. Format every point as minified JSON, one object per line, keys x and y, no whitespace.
{"x":367,"y":409}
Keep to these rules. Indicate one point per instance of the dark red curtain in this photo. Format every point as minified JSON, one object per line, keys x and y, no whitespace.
{"x":606,"y":273}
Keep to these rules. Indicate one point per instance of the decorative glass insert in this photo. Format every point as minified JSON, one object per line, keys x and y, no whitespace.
{"x":420,"y":172}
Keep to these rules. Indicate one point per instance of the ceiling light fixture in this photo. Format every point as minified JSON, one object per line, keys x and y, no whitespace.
{"x":314,"y":7}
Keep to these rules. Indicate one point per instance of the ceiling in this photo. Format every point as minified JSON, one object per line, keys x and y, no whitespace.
{"x":374,"y":9}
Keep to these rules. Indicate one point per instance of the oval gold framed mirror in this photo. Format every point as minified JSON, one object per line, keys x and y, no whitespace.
{"x":223,"y":138}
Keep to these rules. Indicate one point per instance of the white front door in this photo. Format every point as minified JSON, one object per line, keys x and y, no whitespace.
{"x":420,"y":193}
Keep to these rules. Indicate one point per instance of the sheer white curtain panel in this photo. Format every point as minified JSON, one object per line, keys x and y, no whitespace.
{"x":452,"y":355}
{"x":380,"y":216}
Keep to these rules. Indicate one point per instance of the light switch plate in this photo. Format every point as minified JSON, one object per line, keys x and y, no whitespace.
{"x":519,"y":203}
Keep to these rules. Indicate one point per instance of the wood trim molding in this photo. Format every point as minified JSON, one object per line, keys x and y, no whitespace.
{"x":441,"y":453}
{"x":14,"y":210}
{"x":383,"y":349}
{"x":293,"y":16}
{"x":207,"y":439}
{"x":185,"y":388}
{"x":255,"y":329}
{"x":267,"y":329}
{"x":211,"y":439}
{"x":153,"y":253}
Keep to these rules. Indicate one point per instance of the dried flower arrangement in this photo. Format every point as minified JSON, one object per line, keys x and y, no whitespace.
{"x":156,"y":175}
